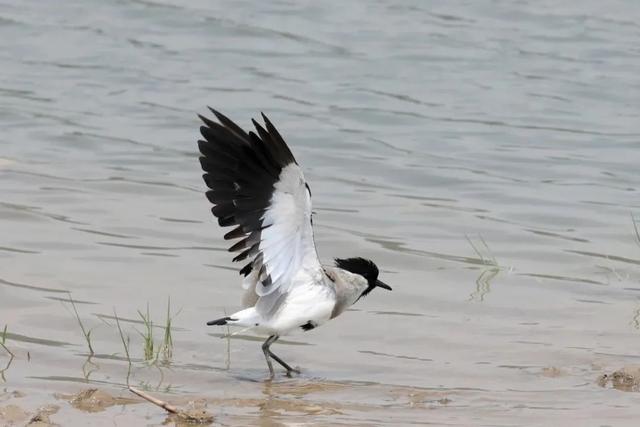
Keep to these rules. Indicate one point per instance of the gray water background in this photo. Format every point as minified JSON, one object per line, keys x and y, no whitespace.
{"x":425,"y":129}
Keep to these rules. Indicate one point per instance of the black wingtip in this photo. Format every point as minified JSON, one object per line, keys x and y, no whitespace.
{"x":221,"y":117}
{"x":229,"y":124}
{"x":219,"y":322}
{"x":209,"y":123}
{"x":215,"y":112}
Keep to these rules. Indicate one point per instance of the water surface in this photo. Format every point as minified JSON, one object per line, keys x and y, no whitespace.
{"x":485,"y":154}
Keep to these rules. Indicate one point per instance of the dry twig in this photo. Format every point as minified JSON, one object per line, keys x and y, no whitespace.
{"x":164,"y":405}
{"x":196,"y":417}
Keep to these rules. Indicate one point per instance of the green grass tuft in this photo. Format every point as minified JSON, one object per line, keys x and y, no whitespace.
{"x":147,"y":335}
{"x":85,"y":332}
{"x":125,"y":343}
{"x":167,"y":341}
{"x":3,"y":340}
{"x":163,"y":350}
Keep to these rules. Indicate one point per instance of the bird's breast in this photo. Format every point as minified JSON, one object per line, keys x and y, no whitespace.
{"x":312,"y":303}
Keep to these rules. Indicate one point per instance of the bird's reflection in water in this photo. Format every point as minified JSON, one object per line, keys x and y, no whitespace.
{"x":295,"y":396}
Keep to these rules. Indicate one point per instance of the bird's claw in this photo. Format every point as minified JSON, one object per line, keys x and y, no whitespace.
{"x":289,"y":371}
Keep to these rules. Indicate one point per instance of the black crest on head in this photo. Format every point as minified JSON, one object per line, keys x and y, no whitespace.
{"x":364,"y":267}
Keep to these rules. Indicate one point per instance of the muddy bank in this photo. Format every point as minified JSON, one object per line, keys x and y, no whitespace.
{"x":625,"y":379}
{"x":293,"y":401}
{"x":12,"y":414}
{"x":302,"y":400}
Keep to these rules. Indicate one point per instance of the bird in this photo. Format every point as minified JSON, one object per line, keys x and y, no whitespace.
{"x":256,"y":186}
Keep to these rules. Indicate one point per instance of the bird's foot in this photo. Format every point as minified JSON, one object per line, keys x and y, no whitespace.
{"x":296,"y":370}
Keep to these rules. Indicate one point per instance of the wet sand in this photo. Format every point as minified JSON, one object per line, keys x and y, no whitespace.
{"x":234,"y":397}
{"x":300,"y":401}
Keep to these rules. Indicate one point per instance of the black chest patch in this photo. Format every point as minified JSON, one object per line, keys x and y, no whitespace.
{"x":308,"y":326}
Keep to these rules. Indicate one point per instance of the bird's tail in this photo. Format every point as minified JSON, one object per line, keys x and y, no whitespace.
{"x":246,"y":317}
{"x":220,"y":322}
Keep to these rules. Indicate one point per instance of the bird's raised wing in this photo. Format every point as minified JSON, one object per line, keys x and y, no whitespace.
{"x":257,"y":186}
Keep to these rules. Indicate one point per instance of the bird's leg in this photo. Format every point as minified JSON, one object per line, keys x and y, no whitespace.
{"x":277,"y":359}
{"x":284,"y":364}
{"x":267,"y":353}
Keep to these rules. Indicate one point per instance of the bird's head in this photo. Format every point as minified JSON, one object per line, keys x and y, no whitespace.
{"x":365,"y":268}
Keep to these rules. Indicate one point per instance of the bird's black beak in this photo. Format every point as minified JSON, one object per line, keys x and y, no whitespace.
{"x":383,"y":285}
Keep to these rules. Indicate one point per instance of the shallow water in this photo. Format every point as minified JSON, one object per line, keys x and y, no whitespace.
{"x":484,"y":154}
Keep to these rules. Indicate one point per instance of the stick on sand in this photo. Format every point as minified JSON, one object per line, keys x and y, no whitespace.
{"x":201,"y":417}
{"x":164,"y":405}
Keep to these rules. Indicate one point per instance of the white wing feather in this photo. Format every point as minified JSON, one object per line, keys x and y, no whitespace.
{"x":286,"y":243}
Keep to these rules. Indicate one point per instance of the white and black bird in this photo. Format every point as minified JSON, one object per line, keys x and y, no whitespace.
{"x":257,"y":186}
